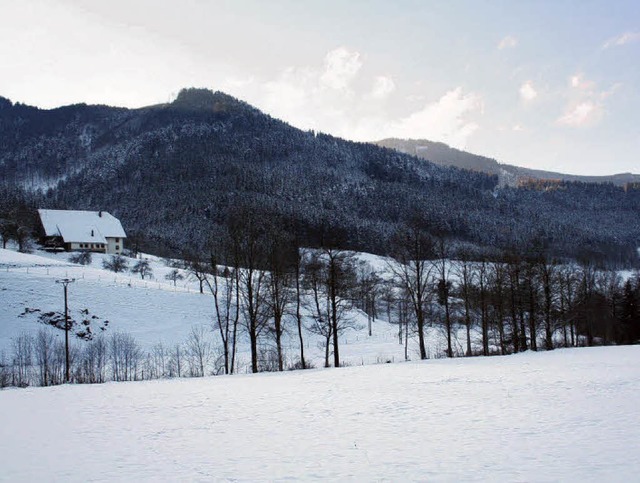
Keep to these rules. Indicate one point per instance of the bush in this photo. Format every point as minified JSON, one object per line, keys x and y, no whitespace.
{"x":116,"y":263}
{"x":5,"y":376}
{"x":172,"y":263}
{"x":143,"y":267}
{"x":81,"y":258}
{"x":174,"y":275}
{"x":297,"y":365}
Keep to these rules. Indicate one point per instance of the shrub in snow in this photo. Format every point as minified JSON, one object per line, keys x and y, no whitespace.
{"x":268,"y":359}
{"x":82,"y":258}
{"x":143,"y":268}
{"x":297,"y":365}
{"x":171,"y":263}
{"x":116,"y":263}
{"x":174,"y":275}
{"x":5,"y":378}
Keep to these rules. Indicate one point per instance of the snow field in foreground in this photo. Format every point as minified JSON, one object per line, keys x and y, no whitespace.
{"x":566,"y":415}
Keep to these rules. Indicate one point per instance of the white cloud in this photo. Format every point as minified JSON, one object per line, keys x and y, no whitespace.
{"x":622,"y":39}
{"x":586,"y":104}
{"x":611,"y":91}
{"x":315,"y":97}
{"x":582,"y":114}
{"x":527,"y":92}
{"x":336,"y":98}
{"x":449,"y":119}
{"x":340,"y":67}
{"x":579,"y":81}
{"x":382,"y":87}
{"x":508,"y":42}
{"x":294,"y":97}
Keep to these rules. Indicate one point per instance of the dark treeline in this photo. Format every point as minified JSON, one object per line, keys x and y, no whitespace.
{"x":172,"y":172}
{"x":18,"y":218}
{"x":518,"y":299}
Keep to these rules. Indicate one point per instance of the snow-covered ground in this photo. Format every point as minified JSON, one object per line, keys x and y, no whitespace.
{"x":155,"y":311}
{"x":566,"y":415}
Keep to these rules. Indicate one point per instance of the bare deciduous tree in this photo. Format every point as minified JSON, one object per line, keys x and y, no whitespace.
{"x":197,"y":268}
{"x":466,"y":276}
{"x":281,"y":258}
{"x":224,"y":286}
{"x":199,"y":350}
{"x":125,"y":356}
{"x":173,"y":276}
{"x":413,"y":274}
{"x":44,"y":354}
{"x":22,"y":359}
{"x":247,"y":227}
{"x":116,"y":263}
{"x":442,"y":268}
{"x":143,"y":267}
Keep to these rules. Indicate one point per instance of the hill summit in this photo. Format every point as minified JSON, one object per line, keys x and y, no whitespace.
{"x":205,"y":100}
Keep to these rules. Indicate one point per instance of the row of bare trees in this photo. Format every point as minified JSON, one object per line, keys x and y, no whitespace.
{"x":514,"y":301}
{"x":39,"y":360}
{"x":511,"y":302}
{"x":265,"y":289}
{"x":497,"y":307}
{"x":262,"y":283}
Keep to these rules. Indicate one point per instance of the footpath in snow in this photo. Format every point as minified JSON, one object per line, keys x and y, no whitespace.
{"x":566,"y":415}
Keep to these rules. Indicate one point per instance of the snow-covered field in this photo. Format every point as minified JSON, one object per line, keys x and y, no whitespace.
{"x":155,"y":311}
{"x":566,"y":415}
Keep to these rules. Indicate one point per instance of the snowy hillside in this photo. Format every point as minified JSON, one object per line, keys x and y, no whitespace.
{"x":155,"y":311}
{"x":566,"y":415}
{"x":218,"y":154}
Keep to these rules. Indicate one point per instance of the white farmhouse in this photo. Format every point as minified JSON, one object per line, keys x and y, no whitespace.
{"x":95,"y":231}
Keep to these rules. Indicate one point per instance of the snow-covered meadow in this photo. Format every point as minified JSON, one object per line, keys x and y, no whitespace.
{"x":570,"y":414}
{"x":566,"y":415}
{"x":155,"y":311}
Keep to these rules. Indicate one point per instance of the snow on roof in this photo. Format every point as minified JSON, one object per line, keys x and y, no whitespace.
{"x":81,"y":226}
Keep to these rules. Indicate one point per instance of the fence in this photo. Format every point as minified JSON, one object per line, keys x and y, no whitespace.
{"x":81,"y":273}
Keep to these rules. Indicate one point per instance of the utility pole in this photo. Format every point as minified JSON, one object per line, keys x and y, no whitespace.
{"x":65,"y":283}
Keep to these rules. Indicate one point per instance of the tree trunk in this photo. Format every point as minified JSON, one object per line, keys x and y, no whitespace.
{"x":532,"y":318}
{"x":299,"y":317}
{"x":236,"y":320}
{"x":420,"y":320}
{"x":483,"y":313}
{"x":278,"y":328}
{"x":448,"y":324}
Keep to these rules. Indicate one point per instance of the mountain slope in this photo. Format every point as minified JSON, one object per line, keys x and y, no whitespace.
{"x":444,"y":155}
{"x":175,"y":174}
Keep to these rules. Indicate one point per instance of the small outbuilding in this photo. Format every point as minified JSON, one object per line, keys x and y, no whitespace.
{"x":72,"y":230}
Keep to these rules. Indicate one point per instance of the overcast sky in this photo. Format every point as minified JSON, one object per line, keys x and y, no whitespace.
{"x":543,"y":84}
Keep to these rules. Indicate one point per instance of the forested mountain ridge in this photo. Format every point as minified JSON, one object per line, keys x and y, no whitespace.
{"x":444,"y":155}
{"x":173,"y":173}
